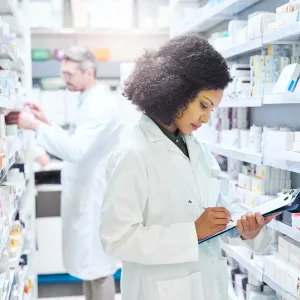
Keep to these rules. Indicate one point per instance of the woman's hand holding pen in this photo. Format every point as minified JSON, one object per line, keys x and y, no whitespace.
{"x":212,"y":221}
{"x":215,"y":219}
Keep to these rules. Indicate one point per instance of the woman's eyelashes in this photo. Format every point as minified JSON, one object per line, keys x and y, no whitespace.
{"x":203,"y":106}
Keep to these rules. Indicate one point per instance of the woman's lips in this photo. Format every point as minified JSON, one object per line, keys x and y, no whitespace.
{"x":195,"y":127}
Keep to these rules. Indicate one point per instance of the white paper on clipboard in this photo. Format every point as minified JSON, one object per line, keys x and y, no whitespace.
{"x":284,"y":202}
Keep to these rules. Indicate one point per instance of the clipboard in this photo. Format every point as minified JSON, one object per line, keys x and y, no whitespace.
{"x":288,"y":201}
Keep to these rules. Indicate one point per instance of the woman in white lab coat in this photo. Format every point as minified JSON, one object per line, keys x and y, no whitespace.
{"x":163,"y":192}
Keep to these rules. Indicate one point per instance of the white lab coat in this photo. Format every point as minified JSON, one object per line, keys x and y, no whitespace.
{"x":153,"y":196}
{"x":85,"y":153}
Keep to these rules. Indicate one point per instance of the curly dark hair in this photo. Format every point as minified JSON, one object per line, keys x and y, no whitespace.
{"x":165,"y":81}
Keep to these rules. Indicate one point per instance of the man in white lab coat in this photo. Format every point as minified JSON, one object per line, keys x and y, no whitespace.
{"x":85,"y":150}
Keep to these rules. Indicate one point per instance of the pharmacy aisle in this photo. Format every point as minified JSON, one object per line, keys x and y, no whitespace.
{"x":254,"y":134}
{"x":17,"y":192}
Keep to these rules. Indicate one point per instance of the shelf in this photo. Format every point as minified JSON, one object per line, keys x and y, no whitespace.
{"x":286,"y":33}
{"x":255,"y":271}
{"x":248,"y":264}
{"x":45,"y":188}
{"x":22,"y":285}
{"x":286,"y":98}
{"x":6,"y":52}
{"x":212,"y":16}
{"x":13,"y":15}
{"x":272,"y":284}
{"x":12,"y":217}
{"x":248,"y":47}
{"x":239,"y":154}
{"x":288,"y":160}
{"x":54,"y":165}
{"x":242,"y":102}
{"x":285,"y":229}
{"x":98,"y":32}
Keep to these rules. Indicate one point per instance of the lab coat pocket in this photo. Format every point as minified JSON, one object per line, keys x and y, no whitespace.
{"x":211,"y":192}
{"x":187,"y":288}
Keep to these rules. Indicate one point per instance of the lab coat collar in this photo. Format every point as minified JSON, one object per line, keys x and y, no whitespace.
{"x":151,"y":130}
{"x":154,"y":134}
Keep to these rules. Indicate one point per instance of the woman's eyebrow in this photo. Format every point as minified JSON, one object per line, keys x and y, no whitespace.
{"x":209,"y":101}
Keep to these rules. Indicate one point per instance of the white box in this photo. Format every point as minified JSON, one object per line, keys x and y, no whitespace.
{"x":258,"y":24}
{"x":297,"y":136}
{"x":282,"y":12}
{"x":288,"y":79}
{"x":257,"y":60}
{"x":292,"y":279}
{"x":241,"y":35}
{"x":258,"y":186}
{"x":280,"y":273}
{"x":233,"y":28}
{"x":295,"y":254}
{"x":275,"y":50}
{"x":284,"y":248}
{"x":295,"y":49}
{"x":269,"y":267}
{"x":296,"y":146}
{"x":245,"y":181}
{"x":280,"y":140}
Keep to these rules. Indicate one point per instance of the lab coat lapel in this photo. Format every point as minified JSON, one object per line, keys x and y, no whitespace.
{"x":154,"y":134}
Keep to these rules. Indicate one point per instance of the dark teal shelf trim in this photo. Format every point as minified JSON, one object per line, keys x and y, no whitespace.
{"x":66,"y":278}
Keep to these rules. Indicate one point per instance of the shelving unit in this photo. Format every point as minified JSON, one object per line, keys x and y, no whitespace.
{"x":287,"y":98}
{"x":12,"y":12}
{"x":276,"y":287}
{"x":286,"y":160}
{"x":285,"y":229}
{"x":256,"y":271}
{"x":14,"y":16}
{"x":214,"y":16}
{"x":284,"y":34}
{"x":239,"y":154}
{"x":242,"y":102}
{"x":97,"y":32}
{"x":242,"y":49}
{"x":248,"y":264}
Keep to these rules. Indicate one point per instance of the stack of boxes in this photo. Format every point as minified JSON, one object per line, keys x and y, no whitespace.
{"x":259,"y":181}
{"x":284,"y":268}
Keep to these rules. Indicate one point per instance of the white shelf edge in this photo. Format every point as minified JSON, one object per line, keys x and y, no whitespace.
{"x":7,"y":10}
{"x":243,"y":261}
{"x":44,"y":188}
{"x":95,"y":31}
{"x":54,"y":165}
{"x":284,"y":33}
{"x":242,"y":102}
{"x":6,"y":53}
{"x":286,"y":98}
{"x":255,"y":270}
{"x":239,"y":154}
{"x":289,"y":161}
{"x":285,"y":229}
{"x":272,"y":284}
{"x":210,"y":17}
{"x":242,"y":49}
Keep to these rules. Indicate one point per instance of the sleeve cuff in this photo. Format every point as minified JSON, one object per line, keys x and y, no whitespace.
{"x":258,"y":245}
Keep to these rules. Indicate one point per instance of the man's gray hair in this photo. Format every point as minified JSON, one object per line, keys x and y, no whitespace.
{"x":82,"y":55}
